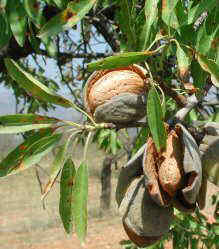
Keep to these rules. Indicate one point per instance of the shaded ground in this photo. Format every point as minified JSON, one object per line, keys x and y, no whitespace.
{"x":25,"y":225}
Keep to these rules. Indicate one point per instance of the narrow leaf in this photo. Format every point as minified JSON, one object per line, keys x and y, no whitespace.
{"x":126,"y":20}
{"x":155,"y":122}
{"x":80,"y":201}
{"x":151,"y":12}
{"x":22,"y":128}
{"x":61,"y":3}
{"x":5,"y":33}
{"x":56,"y":167}
{"x":18,"y":21}
{"x":33,"y":86}
{"x":66,"y":195}
{"x":75,"y":11}
{"x":183,"y":60}
{"x":29,"y":152}
{"x":168,"y":13}
{"x":121,"y":60}
{"x":25,"y":119}
{"x":211,"y":67}
{"x":199,"y":76}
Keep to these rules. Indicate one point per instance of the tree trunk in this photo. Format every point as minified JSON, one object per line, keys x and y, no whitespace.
{"x":105,"y":198}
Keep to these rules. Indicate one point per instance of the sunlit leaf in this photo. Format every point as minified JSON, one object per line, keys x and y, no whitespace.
{"x":183,"y":60}
{"x":24,"y":119}
{"x":75,"y":11}
{"x":151,"y":12}
{"x":33,"y":86}
{"x":168,"y":13}
{"x":29,"y":152}
{"x":61,"y":3}
{"x":211,"y":67}
{"x":66,"y":195}
{"x":33,"y":10}
{"x":121,"y":60}
{"x":196,"y":11}
{"x":208,"y":33}
{"x":18,"y":21}
{"x":22,"y":128}
{"x":3,"y":4}
{"x":155,"y":119}
{"x":103,"y":134}
{"x":127,"y":23}
{"x":80,"y":201}
{"x":56,"y":166}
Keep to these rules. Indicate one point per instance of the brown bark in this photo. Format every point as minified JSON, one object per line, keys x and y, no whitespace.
{"x":105,"y":198}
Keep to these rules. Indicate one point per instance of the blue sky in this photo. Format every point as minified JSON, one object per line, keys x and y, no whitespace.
{"x":7,"y":100}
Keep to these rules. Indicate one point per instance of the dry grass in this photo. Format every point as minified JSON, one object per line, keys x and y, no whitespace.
{"x":25,"y":224}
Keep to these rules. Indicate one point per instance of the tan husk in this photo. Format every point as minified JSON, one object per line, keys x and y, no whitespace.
{"x":104,"y":86}
{"x":174,"y":176}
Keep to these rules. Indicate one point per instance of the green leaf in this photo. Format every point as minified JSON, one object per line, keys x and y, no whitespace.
{"x":199,"y":76}
{"x":56,"y":167}
{"x":155,"y":122}
{"x":168,"y":13}
{"x":181,"y":13}
{"x":103,"y":134}
{"x":121,"y":60}
{"x":33,"y":86}
{"x":207,"y":40}
{"x":34,"y":41}
{"x":127,"y":23}
{"x":50,"y":46}
{"x":196,"y":11}
{"x":66,"y":195}
{"x":113,"y":142}
{"x":29,"y":152}
{"x":22,"y":128}
{"x":211,"y":67}
{"x":33,"y":10}
{"x":151,"y":12}
{"x":24,"y":119}
{"x":3,"y":4}
{"x":80,"y":201}
{"x":18,"y":21}
{"x":141,"y":139}
{"x":183,"y":60}
{"x":61,"y":3}
{"x":5,"y":33}
{"x":75,"y":11}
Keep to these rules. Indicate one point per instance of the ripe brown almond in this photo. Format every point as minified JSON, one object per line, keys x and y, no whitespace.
{"x":171,"y":169}
{"x":116,"y":95}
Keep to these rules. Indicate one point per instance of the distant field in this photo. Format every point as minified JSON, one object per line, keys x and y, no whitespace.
{"x":23,"y":222}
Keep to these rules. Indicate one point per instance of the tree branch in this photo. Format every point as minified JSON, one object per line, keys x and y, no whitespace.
{"x":64,"y":57}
